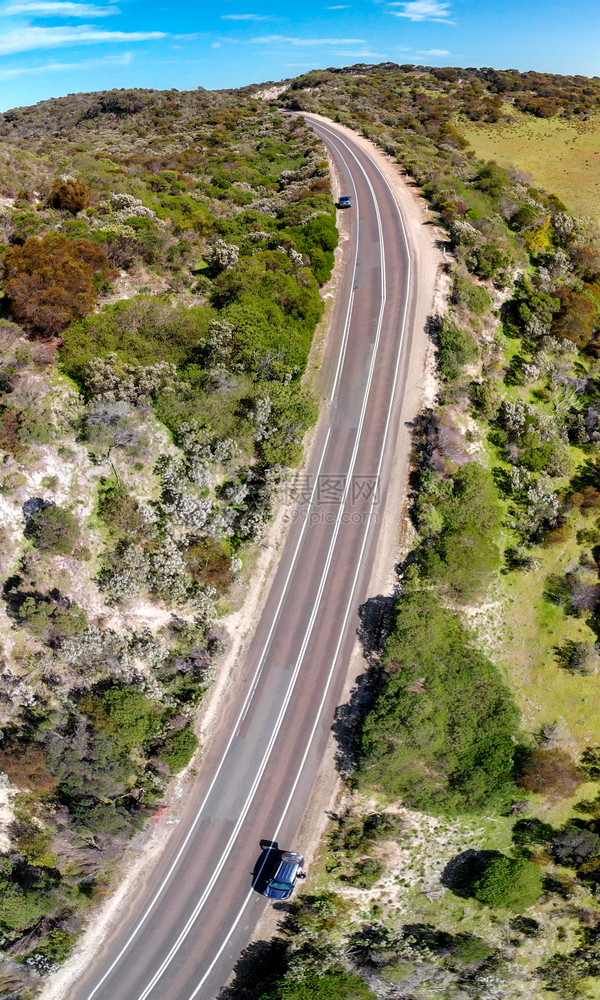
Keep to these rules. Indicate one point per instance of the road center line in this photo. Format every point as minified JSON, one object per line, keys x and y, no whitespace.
{"x":222,"y":861}
{"x":342,"y":630}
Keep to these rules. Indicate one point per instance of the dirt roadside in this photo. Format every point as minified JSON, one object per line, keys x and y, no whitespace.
{"x":146,"y":848}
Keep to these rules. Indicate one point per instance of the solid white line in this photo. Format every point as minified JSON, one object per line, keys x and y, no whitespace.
{"x":315,"y":609}
{"x":342,"y":631}
{"x":260,"y":664}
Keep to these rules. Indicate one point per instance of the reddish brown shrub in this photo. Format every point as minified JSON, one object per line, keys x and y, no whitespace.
{"x":587,"y":499}
{"x":552,"y":772}
{"x":577,"y":319}
{"x":50,"y":281}
{"x":26,"y":766}
{"x":69,"y":195}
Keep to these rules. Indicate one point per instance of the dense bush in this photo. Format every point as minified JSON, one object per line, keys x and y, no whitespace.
{"x":457,"y":348}
{"x":463,"y":554}
{"x":70,"y":195}
{"x":330,"y":986}
{"x":142,"y":331}
{"x":51,"y":281}
{"x":54,"y":529}
{"x":513,"y":883}
{"x":440,"y":733}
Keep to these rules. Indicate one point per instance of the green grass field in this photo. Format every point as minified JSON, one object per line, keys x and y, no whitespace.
{"x":561,"y":156}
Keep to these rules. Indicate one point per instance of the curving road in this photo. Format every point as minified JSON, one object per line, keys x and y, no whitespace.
{"x":188,"y":924}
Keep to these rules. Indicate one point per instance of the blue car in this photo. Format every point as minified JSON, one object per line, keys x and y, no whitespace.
{"x":345,"y":201}
{"x":282,"y":882}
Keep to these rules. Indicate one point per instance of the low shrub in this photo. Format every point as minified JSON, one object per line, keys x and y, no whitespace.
{"x":510,"y":883}
{"x":55,"y":530}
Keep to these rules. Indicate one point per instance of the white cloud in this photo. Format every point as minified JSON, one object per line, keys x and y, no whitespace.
{"x":340,"y":6}
{"x":271,"y":39}
{"x":57,"y":8}
{"x":433,"y":52}
{"x":28,"y":38}
{"x":244,"y":17}
{"x":424,"y":10}
{"x":216,"y":45}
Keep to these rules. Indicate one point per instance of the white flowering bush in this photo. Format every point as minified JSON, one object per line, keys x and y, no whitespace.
{"x":168,"y":577}
{"x":112,"y":379}
{"x":128,"y":207}
{"x":221,"y":256}
{"x":187,"y":508}
{"x":127,"y":574}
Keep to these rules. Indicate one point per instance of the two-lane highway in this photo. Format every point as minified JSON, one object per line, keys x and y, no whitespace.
{"x":188,"y":923}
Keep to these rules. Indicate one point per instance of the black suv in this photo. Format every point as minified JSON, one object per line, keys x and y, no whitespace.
{"x":282,"y":881}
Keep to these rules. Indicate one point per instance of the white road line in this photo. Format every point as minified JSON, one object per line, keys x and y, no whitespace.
{"x":341,"y":635}
{"x":260,"y":665}
{"x":315,"y":609}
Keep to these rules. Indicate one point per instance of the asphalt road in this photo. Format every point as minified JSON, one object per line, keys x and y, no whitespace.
{"x":188,"y":923}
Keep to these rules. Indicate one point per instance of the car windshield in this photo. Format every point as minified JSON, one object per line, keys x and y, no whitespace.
{"x":281,"y":885}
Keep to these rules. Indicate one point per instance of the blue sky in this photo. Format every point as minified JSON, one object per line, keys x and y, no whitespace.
{"x":53,"y":47}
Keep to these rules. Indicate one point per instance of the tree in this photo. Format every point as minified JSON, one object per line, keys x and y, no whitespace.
{"x":511,"y":883}
{"x":54,"y":530}
{"x":51,"y":281}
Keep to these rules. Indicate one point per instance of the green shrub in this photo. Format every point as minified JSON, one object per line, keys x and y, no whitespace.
{"x":51,"y":617}
{"x":54,"y":530}
{"x":332,"y":986}
{"x":464,"y":555}
{"x":179,"y":749}
{"x":127,"y":715}
{"x":318,"y":239}
{"x":509,"y":883}
{"x":440,"y":732}
{"x":457,"y":348}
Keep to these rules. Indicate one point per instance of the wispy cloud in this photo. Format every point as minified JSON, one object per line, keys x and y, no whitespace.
{"x":433,"y":52}
{"x":245,"y":17}
{"x":285,"y":40}
{"x":362,"y":54}
{"x":340,"y":6}
{"x":28,"y":38}
{"x":57,"y":8}
{"x":11,"y":74}
{"x":423,"y":10}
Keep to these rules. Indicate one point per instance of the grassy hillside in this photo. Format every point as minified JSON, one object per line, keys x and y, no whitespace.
{"x":561,"y":154}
